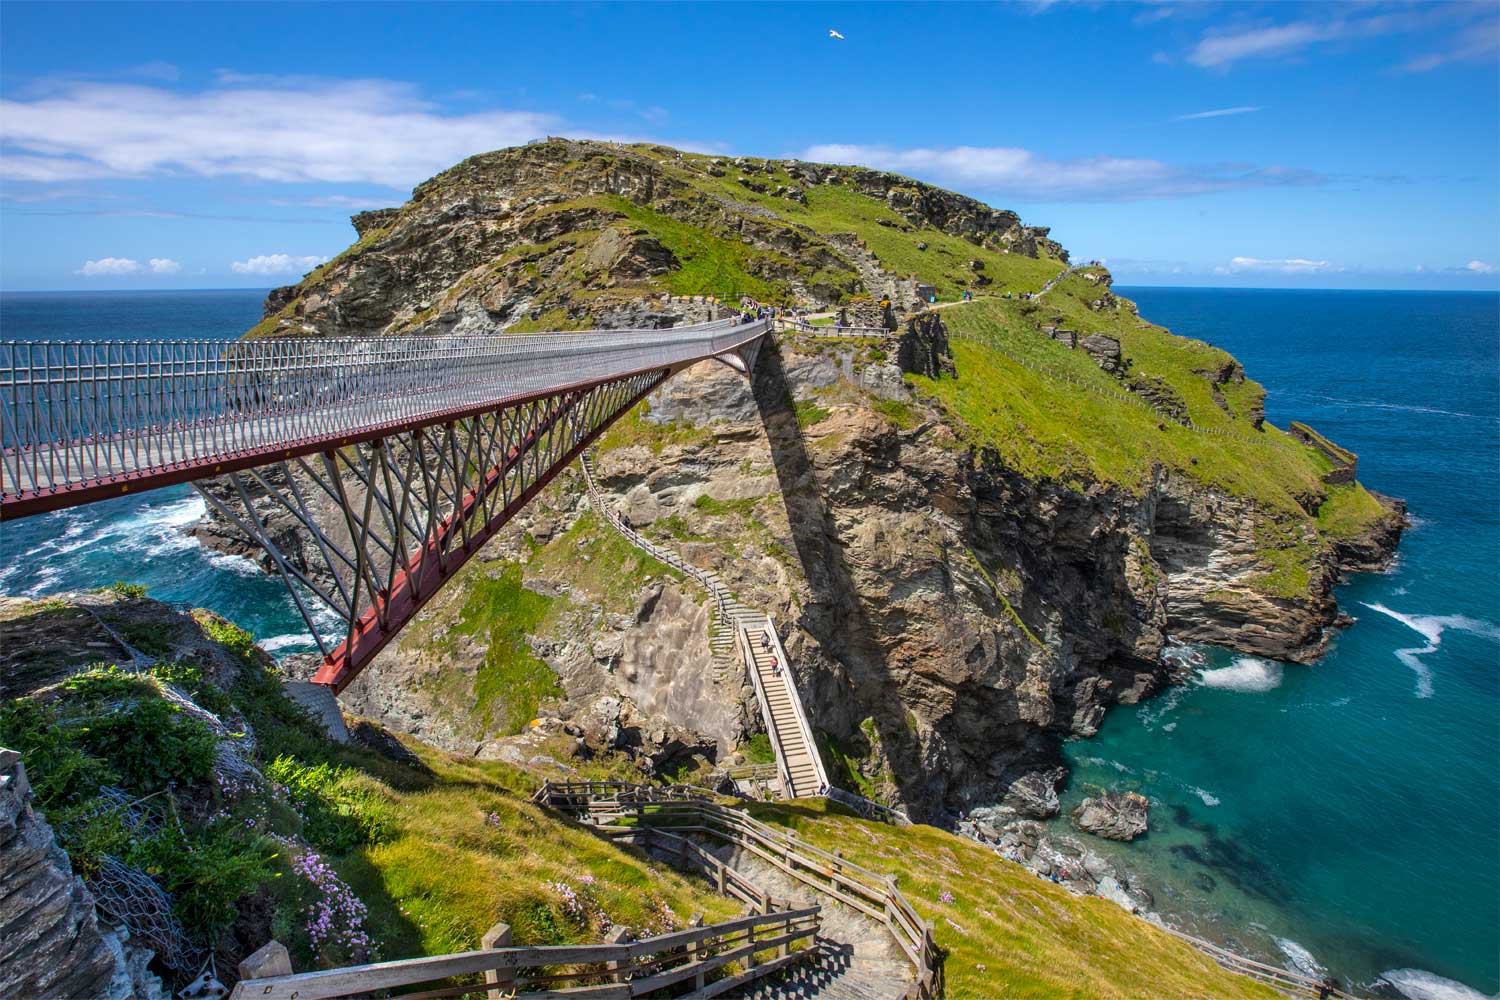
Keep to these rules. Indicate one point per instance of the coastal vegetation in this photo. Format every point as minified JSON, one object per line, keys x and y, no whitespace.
{"x":199,"y":773}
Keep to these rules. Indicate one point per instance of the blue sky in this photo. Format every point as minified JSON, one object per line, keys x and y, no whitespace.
{"x":222,"y":145}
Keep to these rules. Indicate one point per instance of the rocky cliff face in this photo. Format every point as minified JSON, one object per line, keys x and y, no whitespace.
{"x":50,"y":941}
{"x":951,"y":612}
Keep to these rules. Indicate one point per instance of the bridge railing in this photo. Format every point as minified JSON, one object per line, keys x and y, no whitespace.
{"x":78,"y":411}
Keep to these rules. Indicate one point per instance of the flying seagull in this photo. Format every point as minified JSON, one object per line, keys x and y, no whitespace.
{"x":834,"y":34}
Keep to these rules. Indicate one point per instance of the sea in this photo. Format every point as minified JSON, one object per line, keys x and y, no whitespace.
{"x":1339,"y":817}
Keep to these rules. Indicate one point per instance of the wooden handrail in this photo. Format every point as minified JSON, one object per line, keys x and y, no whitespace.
{"x":866,"y":891}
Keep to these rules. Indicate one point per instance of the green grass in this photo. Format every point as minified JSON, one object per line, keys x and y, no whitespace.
{"x":758,"y":750}
{"x":1051,"y":413}
{"x":512,"y":681}
{"x":743,"y":506}
{"x":710,"y":264}
{"x":596,"y":560}
{"x":1008,"y":933}
{"x":809,"y":412}
{"x":1349,"y":510}
{"x":897,"y":411}
{"x":637,"y":429}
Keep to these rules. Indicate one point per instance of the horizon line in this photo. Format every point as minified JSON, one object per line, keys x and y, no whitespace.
{"x":1121,"y":284}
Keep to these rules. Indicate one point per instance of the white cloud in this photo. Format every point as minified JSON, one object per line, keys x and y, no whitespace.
{"x":1226,"y":48}
{"x":1025,"y":174}
{"x":1479,"y":267}
{"x":276,"y":263}
{"x":108,"y":265}
{"x":1475,"y":43}
{"x":1218,"y":113}
{"x":164,"y":265}
{"x":291,"y":130}
{"x":1283,"y":265}
{"x":1477,"y":38}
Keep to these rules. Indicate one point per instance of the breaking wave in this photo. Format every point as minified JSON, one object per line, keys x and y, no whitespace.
{"x":1299,"y":959}
{"x":1416,"y":984}
{"x":1247,"y":673}
{"x":1431,"y":628}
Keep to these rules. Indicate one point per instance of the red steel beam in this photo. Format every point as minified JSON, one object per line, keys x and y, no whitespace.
{"x":425,"y":573}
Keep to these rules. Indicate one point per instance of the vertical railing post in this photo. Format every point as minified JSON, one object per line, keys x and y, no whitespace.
{"x":699,"y":949}
{"x":500,"y":981}
{"x":619,"y":969}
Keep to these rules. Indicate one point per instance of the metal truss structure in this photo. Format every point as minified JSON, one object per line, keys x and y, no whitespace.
{"x":397,"y":458}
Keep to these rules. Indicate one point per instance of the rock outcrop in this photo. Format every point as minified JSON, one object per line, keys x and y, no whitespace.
{"x":1112,"y":815}
{"x":50,"y":941}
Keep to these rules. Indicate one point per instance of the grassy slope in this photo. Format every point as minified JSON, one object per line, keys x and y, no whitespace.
{"x":1058,"y":416}
{"x":838,"y":209}
{"x":1009,"y":934}
{"x":440,"y":850}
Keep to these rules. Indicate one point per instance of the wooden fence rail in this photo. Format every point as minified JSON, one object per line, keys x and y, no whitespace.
{"x":738,"y":951}
{"x":874,"y":894}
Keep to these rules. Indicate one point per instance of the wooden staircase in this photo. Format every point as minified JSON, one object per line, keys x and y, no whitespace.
{"x":802,"y":773}
{"x":735,"y":625}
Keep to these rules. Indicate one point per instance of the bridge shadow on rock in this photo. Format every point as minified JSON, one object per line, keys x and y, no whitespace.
{"x":860,"y":683}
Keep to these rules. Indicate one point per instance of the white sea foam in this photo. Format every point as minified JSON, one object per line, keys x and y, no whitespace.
{"x":238,"y":565}
{"x":276,"y":642}
{"x":1169,"y":727}
{"x":1106,"y":762}
{"x":1417,"y":984}
{"x":1247,"y":673}
{"x":1158,"y":708}
{"x":1208,"y":798}
{"x":1431,"y":628}
{"x":1299,"y":959}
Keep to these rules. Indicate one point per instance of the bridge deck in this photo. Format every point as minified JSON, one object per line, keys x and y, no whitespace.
{"x":84,"y":421}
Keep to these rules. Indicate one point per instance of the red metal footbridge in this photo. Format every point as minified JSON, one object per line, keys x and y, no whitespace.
{"x":399,"y":456}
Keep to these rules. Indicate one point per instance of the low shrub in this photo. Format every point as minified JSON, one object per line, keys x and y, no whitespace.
{"x":151,"y":744}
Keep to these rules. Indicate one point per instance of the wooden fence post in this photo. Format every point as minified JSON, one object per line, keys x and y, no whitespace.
{"x":500,"y":981}
{"x":620,"y":968}
{"x":699,"y":950}
{"x":270,"y":959}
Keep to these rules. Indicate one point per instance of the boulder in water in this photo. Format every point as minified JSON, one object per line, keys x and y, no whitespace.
{"x":1113,"y":815}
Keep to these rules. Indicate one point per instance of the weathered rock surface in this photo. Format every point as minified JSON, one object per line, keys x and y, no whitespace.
{"x":1113,"y":815}
{"x":50,"y":941}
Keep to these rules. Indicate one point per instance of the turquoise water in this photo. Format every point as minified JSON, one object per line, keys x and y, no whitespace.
{"x":1349,"y":809}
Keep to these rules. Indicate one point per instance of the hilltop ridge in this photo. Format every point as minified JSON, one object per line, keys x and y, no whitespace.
{"x":564,"y":234}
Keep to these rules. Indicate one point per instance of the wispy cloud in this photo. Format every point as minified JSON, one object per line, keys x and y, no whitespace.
{"x":1476,"y":39}
{"x":1281,"y":265}
{"x":1219,"y":113}
{"x":289,"y":130}
{"x":1222,"y":49}
{"x":1475,"y":43}
{"x":164,"y":265}
{"x":276,"y":263}
{"x":1478,"y":267}
{"x":1021,"y":173}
